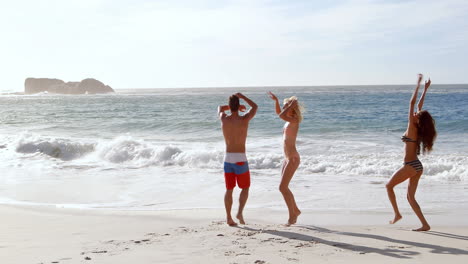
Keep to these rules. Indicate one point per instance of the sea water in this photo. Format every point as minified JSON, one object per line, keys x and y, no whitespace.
{"x":157,"y":149}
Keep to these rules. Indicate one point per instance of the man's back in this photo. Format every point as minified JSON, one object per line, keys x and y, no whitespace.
{"x":235,"y":126}
{"x":235,"y":132}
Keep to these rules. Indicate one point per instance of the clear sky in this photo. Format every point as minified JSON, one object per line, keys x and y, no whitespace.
{"x":209,"y":43}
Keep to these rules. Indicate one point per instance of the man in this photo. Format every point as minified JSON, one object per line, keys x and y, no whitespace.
{"x":236,"y":167}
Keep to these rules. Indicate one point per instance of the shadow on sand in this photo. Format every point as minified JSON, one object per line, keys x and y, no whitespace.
{"x":395,"y":252}
{"x":447,"y":235}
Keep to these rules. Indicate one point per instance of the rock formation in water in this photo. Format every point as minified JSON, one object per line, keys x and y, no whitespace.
{"x":90,"y":86}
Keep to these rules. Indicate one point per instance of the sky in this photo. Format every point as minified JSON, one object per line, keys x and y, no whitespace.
{"x":217,"y":43}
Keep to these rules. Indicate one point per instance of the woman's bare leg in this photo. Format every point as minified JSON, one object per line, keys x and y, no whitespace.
{"x":398,"y":177}
{"x":412,"y":187}
{"x":289,"y":168}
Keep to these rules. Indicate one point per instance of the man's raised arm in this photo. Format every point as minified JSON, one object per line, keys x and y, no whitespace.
{"x":253,"y":110}
{"x":221,"y":110}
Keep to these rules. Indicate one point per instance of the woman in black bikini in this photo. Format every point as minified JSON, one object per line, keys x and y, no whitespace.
{"x":420,"y":131}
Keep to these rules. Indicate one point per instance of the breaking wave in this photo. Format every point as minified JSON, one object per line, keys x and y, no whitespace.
{"x":127,"y":151}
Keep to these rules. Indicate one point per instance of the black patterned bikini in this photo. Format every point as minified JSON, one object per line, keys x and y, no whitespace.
{"x":416,"y":164}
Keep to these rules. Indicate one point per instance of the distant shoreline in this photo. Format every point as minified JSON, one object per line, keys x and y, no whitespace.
{"x":256,"y":87}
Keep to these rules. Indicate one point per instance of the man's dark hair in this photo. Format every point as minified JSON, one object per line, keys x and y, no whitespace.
{"x":234,"y":103}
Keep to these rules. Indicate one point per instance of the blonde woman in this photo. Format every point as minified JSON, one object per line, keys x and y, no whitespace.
{"x":292,"y":114}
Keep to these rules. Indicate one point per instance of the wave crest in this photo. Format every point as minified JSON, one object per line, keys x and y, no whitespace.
{"x":57,"y":148}
{"x":132,"y":153}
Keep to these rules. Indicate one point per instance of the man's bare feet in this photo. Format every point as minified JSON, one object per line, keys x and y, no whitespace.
{"x":231,"y":222}
{"x":423,"y":228}
{"x":241,"y":219}
{"x":396,"y":219}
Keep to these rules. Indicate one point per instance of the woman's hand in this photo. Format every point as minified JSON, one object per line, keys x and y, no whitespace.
{"x":427,"y":84}
{"x":242,"y":108}
{"x":273,"y":96}
{"x":420,"y":77}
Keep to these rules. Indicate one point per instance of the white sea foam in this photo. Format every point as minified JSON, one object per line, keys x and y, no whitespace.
{"x":155,"y":150}
{"x":63,"y":149}
{"x":136,"y":153}
{"x":125,"y":150}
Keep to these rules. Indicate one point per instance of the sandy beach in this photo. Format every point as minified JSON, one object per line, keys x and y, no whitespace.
{"x":55,"y":235}
{"x":124,"y":126}
{"x":123,"y":184}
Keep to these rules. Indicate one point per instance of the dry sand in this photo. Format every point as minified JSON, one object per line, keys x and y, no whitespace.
{"x":52,"y":235}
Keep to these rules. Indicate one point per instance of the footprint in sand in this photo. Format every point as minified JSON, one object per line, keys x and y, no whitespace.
{"x":309,"y":244}
{"x":398,"y":246}
{"x":99,"y":251}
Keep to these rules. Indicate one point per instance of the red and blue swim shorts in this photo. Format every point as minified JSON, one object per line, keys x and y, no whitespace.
{"x":236,"y":172}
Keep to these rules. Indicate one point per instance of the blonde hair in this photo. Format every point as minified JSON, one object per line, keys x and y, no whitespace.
{"x":299,"y":110}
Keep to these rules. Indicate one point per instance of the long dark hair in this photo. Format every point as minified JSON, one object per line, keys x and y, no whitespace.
{"x":426,"y":131}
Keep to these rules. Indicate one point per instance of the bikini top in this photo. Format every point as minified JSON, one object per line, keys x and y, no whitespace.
{"x":407,"y":139}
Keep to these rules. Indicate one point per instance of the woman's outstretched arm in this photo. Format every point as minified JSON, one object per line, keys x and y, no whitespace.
{"x":277,"y":105}
{"x":423,"y":95}
{"x":413,"y":98}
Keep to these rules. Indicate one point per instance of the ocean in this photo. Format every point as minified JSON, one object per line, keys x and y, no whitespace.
{"x":158,"y":149}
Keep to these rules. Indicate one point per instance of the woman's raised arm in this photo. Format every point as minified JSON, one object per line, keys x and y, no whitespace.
{"x":413,"y":98}
{"x":289,"y":107}
{"x":423,"y":95}
{"x":277,"y":105}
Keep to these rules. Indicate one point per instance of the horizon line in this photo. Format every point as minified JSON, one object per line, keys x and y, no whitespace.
{"x":280,"y":86}
{"x":259,"y":86}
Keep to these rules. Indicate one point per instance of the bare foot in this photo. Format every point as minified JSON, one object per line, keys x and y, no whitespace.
{"x":293,"y":219}
{"x":423,"y":228}
{"x":298,"y":213}
{"x":231,"y":222}
{"x":241,"y":218}
{"x":396,"y":219}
